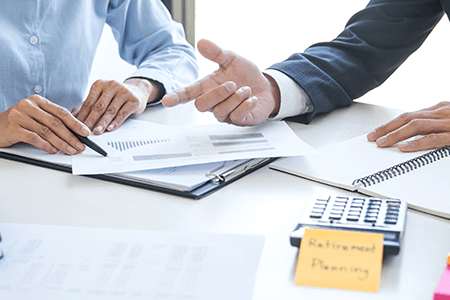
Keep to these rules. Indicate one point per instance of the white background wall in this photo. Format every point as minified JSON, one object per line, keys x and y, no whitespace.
{"x":269,"y":31}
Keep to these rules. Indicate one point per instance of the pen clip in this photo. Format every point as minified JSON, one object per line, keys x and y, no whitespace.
{"x":234,"y":171}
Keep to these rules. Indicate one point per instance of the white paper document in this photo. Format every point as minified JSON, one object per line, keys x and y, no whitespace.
{"x":153,"y":146}
{"x":43,"y":262}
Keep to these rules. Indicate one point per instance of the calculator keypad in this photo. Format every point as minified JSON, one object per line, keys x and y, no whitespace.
{"x":357,"y":210}
{"x":370,"y":214}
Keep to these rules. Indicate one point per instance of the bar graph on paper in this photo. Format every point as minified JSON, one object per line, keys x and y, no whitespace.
{"x":124,"y":145}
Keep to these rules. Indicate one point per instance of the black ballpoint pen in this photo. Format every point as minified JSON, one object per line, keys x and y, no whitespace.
{"x":89,"y":143}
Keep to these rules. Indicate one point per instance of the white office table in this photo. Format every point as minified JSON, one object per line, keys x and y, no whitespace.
{"x":266,"y":203}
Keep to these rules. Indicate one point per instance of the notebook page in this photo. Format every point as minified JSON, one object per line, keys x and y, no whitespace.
{"x":340,"y":164}
{"x":425,"y":189}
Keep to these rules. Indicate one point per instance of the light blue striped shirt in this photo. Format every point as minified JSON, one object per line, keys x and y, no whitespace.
{"x":47,"y":46}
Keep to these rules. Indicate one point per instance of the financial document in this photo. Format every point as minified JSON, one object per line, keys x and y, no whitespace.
{"x":44,"y":262}
{"x":152,"y":146}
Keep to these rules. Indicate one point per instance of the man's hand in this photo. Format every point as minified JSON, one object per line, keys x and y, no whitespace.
{"x":110,"y":103}
{"x":433,"y":123}
{"x":237,"y":93}
{"x":43,"y":124}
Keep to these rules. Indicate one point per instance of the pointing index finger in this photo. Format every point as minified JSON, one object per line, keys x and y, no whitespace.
{"x":188,"y":93}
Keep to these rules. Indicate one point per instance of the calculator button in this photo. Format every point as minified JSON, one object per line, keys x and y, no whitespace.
{"x":392,"y":217}
{"x":315,"y":216}
{"x":341,"y":201}
{"x":356,"y":205}
{"x":322,"y":202}
{"x":393,"y":201}
{"x":318,"y":207}
{"x":323,"y":199}
{"x":370,"y":220}
{"x":393,"y":208}
{"x":335,"y":216}
{"x":359,"y":201}
{"x":392,"y":213}
{"x":371,"y":215}
{"x":378,"y":201}
{"x":350,"y":218}
{"x":354,"y":214}
{"x":336,"y":213}
{"x":390,"y":221}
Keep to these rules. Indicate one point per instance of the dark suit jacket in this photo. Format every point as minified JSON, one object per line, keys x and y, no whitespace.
{"x":374,"y":43}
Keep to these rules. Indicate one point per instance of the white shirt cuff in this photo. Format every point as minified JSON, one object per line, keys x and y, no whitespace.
{"x":294,"y":100}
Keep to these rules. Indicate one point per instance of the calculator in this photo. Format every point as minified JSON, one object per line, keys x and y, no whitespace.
{"x":355,"y":213}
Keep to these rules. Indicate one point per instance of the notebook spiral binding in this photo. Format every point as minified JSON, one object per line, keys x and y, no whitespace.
{"x":404,"y":167}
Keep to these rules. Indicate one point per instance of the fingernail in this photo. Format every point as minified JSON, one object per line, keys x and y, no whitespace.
{"x":79,"y":145}
{"x":231,"y":86}
{"x":99,"y":128}
{"x":71,"y":150}
{"x":371,"y":135}
{"x":381,"y":141}
{"x":54,"y":150}
{"x":404,"y":145}
{"x":246,"y":89}
{"x":110,"y":127}
{"x":85,"y":130}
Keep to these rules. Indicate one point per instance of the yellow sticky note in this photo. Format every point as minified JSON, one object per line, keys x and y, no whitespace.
{"x":340,"y":259}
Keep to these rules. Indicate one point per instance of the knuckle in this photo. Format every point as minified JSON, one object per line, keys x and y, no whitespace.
{"x":45,"y":131}
{"x":37,"y":98}
{"x":406,"y":117}
{"x":395,"y":135}
{"x":416,"y":123}
{"x":56,"y":122}
{"x":111,"y":111}
{"x":62,"y":111}
{"x":113,"y":83}
{"x":380,"y":130}
{"x":432,"y":139}
{"x":123,"y":114}
{"x":184,"y":94}
{"x":98,"y":83}
{"x":99,"y":106}
{"x":32,"y":139}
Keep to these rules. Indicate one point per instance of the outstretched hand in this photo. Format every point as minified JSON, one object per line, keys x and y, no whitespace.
{"x":237,"y":93}
{"x":433,"y":123}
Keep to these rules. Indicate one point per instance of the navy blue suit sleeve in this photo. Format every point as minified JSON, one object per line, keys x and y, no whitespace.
{"x":374,"y":43}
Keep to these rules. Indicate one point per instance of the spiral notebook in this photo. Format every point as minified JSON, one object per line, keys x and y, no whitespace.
{"x":419,"y":178}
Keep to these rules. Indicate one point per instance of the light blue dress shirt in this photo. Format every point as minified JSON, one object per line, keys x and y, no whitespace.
{"x":47,"y":46}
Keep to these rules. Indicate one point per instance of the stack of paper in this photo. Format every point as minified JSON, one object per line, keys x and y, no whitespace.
{"x":43,"y":262}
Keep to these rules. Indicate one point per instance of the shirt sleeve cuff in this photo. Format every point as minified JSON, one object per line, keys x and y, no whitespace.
{"x":294,"y":100}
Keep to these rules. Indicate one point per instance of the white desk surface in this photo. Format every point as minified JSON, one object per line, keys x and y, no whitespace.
{"x":267,"y":203}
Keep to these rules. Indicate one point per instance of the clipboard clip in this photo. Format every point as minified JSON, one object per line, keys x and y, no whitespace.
{"x":234,"y":171}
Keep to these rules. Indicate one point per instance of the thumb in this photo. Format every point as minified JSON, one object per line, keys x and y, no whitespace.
{"x":214,"y":53}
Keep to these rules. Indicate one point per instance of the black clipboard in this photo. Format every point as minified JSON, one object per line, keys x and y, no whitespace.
{"x":217,"y":181}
